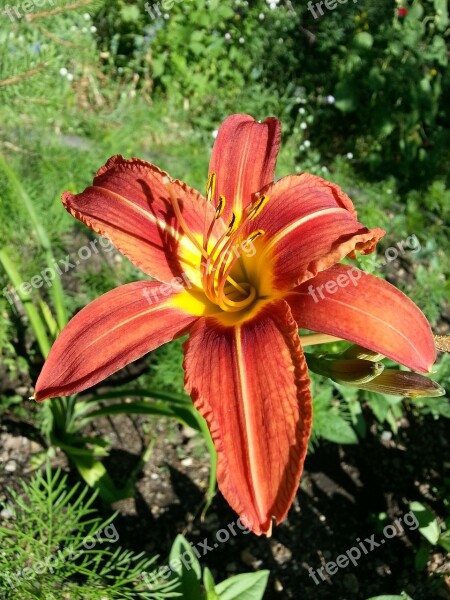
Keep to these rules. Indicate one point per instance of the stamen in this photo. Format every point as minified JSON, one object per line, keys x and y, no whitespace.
{"x":211,"y":186}
{"x":182,"y":222}
{"x":258,"y":206}
{"x":252,"y":237}
{"x":231,"y":225}
{"x":220,"y":207}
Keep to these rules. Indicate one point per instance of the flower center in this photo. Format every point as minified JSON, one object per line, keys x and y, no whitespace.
{"x":223,"y":274}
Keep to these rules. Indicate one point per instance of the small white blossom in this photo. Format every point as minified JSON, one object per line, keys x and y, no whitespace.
{"x":262,"y":16}
{"x":63,"y":72}
{"x":301,"y":110}
{"x":349,"y":155}
{"x":87,"y":17}
{"x":69,"y":77}
{"x":307,"y":144}
{"x":93,"y":28}
{"x":331,"y":99}
{"x":303,"y":125}
{"x":228,"y":36}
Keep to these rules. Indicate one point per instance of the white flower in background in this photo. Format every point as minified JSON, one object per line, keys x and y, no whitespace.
{"x":69,"y":77}
{"x":262,"y":16}
{"x":241,"y":40}
{"x":63,"y":72}
{"x":227,"y":36}
{"x":301,"y":148}
{"x":84,"y":30}
{"x":214,"y":133}
{"x":324,"y":169}
{"x":303,"y":125}
{"x":93,"y":28}
{"x":87,"y":17}
{"x":307,"y":144}
{"x":331,"y":99}
{"x":301,"y":110}
{"x":350,"y":155}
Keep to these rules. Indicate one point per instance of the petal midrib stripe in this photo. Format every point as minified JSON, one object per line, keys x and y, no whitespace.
{"x":273,"y":241}
{"x":252,"y":435}
{"x":118,"y":326}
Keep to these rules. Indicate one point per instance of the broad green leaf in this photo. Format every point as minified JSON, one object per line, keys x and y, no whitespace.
{"x":248,"y":586}
{"x":186,"y":568}
{"x":334,"y":428}
{"x":36,"y":322}
{"x":428,"y":524}
{"x":208,"y":582}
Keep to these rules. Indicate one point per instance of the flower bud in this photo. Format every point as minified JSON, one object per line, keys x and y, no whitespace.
{"x":348,"y":372}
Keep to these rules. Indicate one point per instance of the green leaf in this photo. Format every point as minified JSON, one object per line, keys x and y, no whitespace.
{"x":181,"y":413}
{"x":441,"y":18}
{"x":428,"y":524}
{"x":36,"y":322}
{"x":247,"y":586}
{"x":379,"y":405}
{"x":363,"y":41}
{"x":56,"y":287}
{"x":185,"y":566}
{"x":334,"y":428}
{"x":95,"y":475}
{"x":208,"y":582}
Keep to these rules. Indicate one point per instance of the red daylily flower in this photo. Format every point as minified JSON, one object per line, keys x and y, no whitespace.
{"x":233,"y":270}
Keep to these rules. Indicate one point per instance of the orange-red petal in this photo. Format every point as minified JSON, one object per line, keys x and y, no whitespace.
{"x":109,"y":333}
{"x":244,"y":158}
{"x":129,"y":203}
{"x":250,"y":382}
{"x":348,"y":303}
{"x":309,"y":224}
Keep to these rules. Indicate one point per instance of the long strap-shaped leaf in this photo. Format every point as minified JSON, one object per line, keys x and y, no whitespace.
{"x":21,"y":194}
{"x":36,"y":322}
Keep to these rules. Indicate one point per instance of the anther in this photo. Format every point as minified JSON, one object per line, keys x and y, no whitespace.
{"x":220,"y":207}
{"x":255,"y":234}
{"x":231,"y":225}
{"x":257,"y":207}
{"x":211,"y":186}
